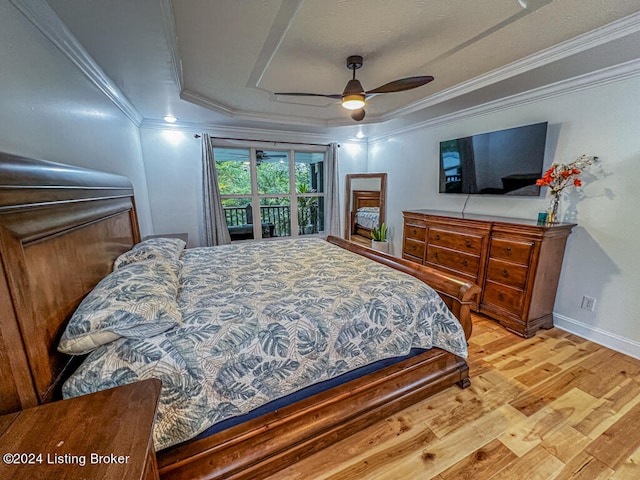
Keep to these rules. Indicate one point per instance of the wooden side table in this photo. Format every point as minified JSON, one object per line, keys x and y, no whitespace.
{"x":104,"y":435}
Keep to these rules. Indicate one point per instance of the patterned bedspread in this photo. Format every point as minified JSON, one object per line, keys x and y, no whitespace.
{"x":261,"y":320}
{"x":368,"y":217}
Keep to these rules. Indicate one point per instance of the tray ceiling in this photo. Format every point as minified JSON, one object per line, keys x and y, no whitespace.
{"x":222,"y":61}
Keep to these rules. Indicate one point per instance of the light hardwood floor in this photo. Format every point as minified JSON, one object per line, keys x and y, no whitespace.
{"x":361,"y":240}
{"x":551,"y":407}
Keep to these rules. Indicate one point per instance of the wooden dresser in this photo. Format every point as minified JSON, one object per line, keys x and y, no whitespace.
{"x":516,"y":262}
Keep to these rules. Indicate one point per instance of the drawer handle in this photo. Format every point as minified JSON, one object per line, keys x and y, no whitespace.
{"x":505,"y":273}
{"x":508,"y":249}
{"x":435,"y":255}
{"x":415,"y":231}
{"x":415,"y":248}
{"x":465,"y":263}
{"x":437,"y":237}
{"x":501,"y":296}
{"x":467,"y":243}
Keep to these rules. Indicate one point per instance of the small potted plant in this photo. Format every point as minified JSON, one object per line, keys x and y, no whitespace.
{"x":379,"y":239}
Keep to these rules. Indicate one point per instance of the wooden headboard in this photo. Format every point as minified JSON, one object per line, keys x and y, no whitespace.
{"x":361,"y":199}
{"x":61,"y":228}
{"x":365,"y":198}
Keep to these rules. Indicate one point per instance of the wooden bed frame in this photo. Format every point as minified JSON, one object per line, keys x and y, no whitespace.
{"x":61,"y":227}
{"x":364,"y":198}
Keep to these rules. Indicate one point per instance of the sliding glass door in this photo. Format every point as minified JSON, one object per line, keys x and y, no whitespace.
{"x":271,"y":193}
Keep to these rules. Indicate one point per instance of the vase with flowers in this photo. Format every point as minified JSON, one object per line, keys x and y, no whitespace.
{"x":560,"y":176}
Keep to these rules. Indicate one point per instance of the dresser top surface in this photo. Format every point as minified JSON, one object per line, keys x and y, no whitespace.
{"x":489,"y":218}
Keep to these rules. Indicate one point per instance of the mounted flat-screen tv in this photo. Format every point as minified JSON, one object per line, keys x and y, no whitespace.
{"x":506,"y":162}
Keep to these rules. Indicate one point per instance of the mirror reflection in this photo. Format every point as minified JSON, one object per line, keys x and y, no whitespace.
{"x":365,"y":210}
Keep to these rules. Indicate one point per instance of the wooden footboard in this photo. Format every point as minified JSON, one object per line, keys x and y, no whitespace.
{"x":265,"y":445}
{"x":262,"y":446}
{"x":362,"y":231}
{"x":457,"y":293}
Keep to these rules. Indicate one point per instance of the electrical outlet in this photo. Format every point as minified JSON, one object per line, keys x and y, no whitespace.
{"x":588,"y":303}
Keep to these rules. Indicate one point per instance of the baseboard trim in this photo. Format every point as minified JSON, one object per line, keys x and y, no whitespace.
{"x":597,"y":335}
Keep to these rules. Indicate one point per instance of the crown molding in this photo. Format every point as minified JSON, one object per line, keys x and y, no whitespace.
{"x":42,"y":16}
{"x":600,"y":36}
{"x":169,"y":27}
{"x":589,"y":80}
{"x":218,"y":130}
{"x":266,"y":135}
{"x":207,"y":102}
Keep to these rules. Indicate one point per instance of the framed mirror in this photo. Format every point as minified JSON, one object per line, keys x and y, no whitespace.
{"x":365,"y":205}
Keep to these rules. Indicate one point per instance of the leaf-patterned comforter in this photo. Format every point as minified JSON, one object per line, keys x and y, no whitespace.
{"x":261,"y":320}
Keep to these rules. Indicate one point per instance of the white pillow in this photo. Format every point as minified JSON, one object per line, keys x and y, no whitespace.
{"x":152,"y":249}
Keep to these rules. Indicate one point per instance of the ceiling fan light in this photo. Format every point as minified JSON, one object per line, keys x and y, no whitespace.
{"x":353,"y":95}
{"x":353,"y":101}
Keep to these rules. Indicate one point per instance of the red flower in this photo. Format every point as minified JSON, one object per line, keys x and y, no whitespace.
{"x":560,"y":176}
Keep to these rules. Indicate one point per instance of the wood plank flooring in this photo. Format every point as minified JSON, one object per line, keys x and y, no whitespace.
{"x":554,"y":406}
{"x":361,"y":240}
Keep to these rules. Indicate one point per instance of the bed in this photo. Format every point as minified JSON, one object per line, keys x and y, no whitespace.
{"x":365,"y":215}
{"x":61,"y":228}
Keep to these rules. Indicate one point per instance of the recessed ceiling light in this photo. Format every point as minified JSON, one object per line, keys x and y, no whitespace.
{"x":359,"y":134}
{"x":170,"y":119}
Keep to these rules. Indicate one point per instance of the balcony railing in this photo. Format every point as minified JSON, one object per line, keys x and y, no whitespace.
{"x":275,"y":219}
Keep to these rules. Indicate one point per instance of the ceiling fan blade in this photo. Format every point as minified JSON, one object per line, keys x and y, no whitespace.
{"x":336,"y":96}
{"x":402,"y":84}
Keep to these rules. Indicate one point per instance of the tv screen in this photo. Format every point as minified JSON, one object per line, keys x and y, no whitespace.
{"x":507,"y":162}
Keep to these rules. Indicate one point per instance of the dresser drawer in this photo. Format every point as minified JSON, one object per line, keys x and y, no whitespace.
{"x":454,"y":260}
{"x":507,"y":273}
{"x":510,"y":250}
{"x":416,"y":231}
{"x":456,"y":240}
{"x":413,"y":247}
{"x":506,"y":298}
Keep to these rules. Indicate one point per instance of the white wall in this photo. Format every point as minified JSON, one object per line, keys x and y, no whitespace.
{"x":353,"y":158}
{"x":602,"y":259}
{"x":173,"y":163}
{"x":51,"y":111}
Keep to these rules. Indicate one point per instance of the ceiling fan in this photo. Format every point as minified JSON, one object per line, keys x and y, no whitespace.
{"x":354,"y":95}
{"x":261,"y":155}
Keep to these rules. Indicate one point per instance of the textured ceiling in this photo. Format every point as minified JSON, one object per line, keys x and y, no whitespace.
{"x":221,"y":61}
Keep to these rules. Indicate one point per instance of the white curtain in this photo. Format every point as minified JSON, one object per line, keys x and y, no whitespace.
{"x":215,"y":225}
{"x":332,"y":222}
